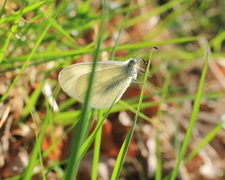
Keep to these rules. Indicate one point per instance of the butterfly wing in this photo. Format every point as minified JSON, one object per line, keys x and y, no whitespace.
{"x":69,"y":76}
{"x":111,"y":80}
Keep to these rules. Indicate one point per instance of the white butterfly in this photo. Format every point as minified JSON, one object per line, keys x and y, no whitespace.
{"x":111,"y":80}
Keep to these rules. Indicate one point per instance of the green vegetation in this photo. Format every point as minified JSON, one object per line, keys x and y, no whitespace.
{"x":52,"y":130}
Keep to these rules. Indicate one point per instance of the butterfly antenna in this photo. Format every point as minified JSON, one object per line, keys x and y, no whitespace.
{"x":145,"y":51}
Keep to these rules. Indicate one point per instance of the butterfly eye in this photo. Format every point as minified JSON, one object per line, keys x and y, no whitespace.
{"x":132,"y":62}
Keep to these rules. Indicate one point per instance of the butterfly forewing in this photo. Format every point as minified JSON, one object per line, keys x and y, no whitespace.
{"x":104,"y":96}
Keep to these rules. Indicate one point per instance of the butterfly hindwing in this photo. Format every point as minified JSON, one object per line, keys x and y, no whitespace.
{"x":69,"y":76}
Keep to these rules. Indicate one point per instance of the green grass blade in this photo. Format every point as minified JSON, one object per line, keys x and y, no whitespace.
{"x":74,"y":159}
{"x":124,"y":148}
{"x":28,"y":172}
{"x":97,"y":145}
{"x":25,"y":63}
{"x":31,"y":102}
{"x":192,"y":119}
{"x":11,"y":32}
{"x":91,"y":137}
{"x":120,"y":31}
{"x":11,"y":17}
{"x":205,"y":141}
{"x":158,"y":173}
